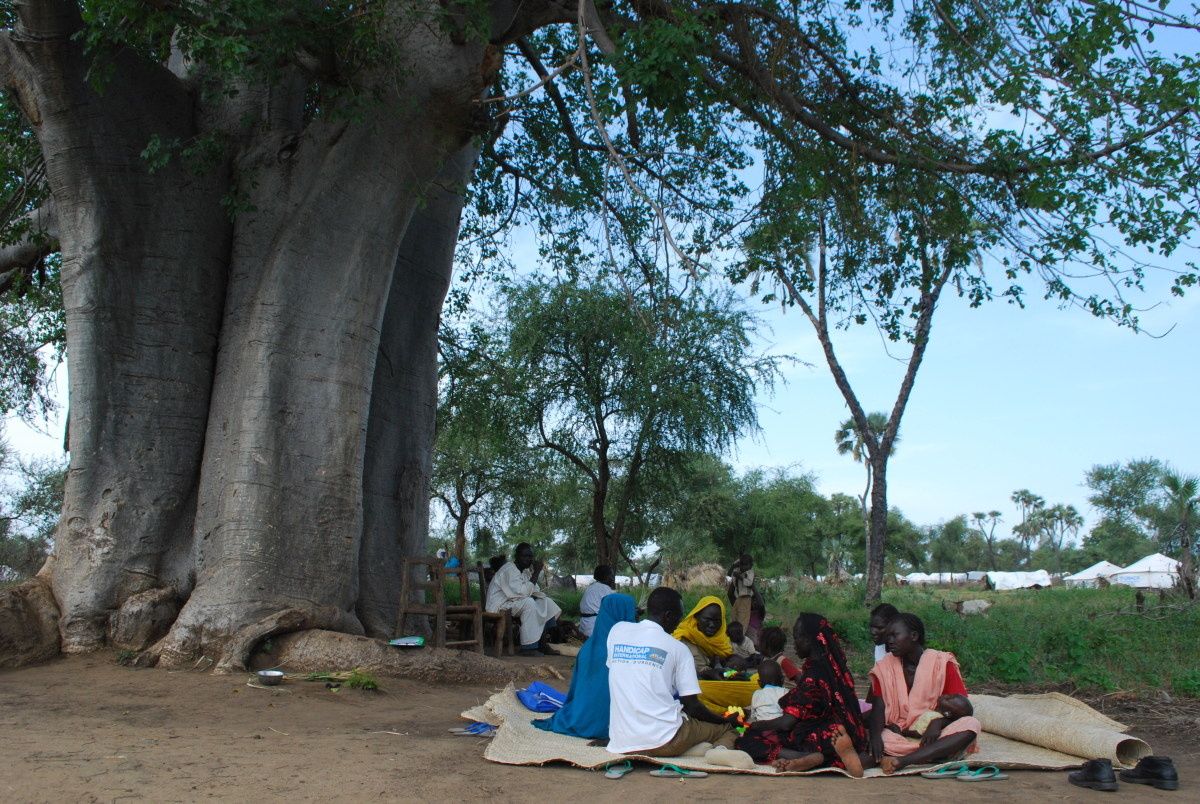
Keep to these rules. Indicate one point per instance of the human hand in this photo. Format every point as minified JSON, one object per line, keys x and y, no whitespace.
{"x":933,"y":733}
{"x":876,"y":746}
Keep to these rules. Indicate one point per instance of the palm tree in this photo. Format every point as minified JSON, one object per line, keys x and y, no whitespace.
{"x":851,"y":442}
{"x":1029,"y":504}
{"x":1181,"y":517}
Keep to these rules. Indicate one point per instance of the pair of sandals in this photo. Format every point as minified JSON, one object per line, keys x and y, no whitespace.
{"x":617,"y":770}
{"x":965,"y":773}
{"x":477,"y":729}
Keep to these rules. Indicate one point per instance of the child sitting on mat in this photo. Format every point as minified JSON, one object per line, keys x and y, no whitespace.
{"x":744,"y":655}
{"x":764,"y":705}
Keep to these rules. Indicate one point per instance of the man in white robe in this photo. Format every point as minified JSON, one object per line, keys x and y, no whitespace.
{"x":513,"y":589}
{"x":603,"y":581}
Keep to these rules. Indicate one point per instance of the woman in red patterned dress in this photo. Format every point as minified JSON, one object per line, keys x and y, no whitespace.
{"x":821,"y":722}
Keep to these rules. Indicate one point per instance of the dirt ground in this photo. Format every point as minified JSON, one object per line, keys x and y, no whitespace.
{"x":88,"y":729}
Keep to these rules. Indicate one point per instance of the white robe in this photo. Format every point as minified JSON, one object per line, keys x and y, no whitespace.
{"x":513,"y":590}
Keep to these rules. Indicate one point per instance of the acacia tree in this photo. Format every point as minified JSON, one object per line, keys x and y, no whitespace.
{"x":614,"y":384}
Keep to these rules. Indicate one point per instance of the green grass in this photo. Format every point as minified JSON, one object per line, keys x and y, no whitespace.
{"x":1092,"y":640}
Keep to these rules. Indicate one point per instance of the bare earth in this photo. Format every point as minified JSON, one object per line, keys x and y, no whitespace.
{"x":87,"y":729}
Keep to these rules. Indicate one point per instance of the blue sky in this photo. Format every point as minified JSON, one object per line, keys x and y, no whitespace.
{"x":1006,"y":399}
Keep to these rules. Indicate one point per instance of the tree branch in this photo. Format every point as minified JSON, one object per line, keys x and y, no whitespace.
{"x":561,"y":450}
{"x":47,"y":20}
{"x":39,"y":240}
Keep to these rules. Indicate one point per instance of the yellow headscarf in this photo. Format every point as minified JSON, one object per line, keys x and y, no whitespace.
{"x":716,"y":645}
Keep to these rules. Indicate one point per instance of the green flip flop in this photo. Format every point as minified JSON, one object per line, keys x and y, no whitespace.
{"x":988,"y":773}
{"x":952,"y":771}
{"x":676,"y":772}
{"x":615,"y":770}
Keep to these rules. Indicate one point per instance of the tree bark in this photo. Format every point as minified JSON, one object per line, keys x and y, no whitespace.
{"x":400,"y":429}
{"x":144,"y":260}
{"x":877,"y":541}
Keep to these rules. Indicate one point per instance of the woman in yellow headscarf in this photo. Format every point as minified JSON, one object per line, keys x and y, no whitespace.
{"x":703,"y":632}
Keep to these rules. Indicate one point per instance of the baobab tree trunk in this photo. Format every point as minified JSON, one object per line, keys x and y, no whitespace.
{"x":144,"y":260}
{"x":280,"y":519}
{"x":400,"y":430}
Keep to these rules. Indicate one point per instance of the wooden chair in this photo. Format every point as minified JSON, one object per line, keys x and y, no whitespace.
{"x":503,"y":626}
{"x":428,"y":574}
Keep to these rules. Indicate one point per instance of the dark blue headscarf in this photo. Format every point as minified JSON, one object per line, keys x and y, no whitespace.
{"x":585,"y":714}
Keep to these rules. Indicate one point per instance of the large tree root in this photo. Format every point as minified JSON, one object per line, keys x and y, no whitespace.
{"x":28,"y":624}
{"x":317,"y":651}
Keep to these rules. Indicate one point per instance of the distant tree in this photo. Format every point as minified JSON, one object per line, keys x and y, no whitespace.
{"x":1179,"y":518}
{"x":906,"y":551}
{"x":479,"y":447}
{"x":986,"y":524}
{"x":842,"y":534}
{"x":30,"y":502}
{"x":947,"y":545}
{"x":1027,"y":503}
{"x":1058,"y":527}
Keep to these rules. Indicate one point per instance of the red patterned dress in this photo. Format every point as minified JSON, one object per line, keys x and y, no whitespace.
{"x":822,"y":700}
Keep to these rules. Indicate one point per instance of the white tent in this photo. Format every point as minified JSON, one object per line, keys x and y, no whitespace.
{"x":1152,"y":572}
{"x":1002,"y":581}
{"x":1092,"y":575}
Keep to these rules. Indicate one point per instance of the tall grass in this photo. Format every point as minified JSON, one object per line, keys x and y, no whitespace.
{"x":1093,"y":640}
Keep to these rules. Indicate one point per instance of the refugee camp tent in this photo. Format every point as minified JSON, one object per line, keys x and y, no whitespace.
{"x":1002,"y":581}
{"x":1091,"y":576}
{"x":1155,"y":571}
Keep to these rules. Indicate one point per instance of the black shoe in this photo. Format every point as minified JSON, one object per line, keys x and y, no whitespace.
{"x":1157,"y":771}
{"x":534,"y":652}
{"x":1097,"y":774}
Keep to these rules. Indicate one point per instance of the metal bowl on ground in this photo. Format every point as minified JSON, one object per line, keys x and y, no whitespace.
{"x":270,"y":678}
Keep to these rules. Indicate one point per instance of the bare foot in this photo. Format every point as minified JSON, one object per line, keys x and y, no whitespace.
{"x":844,"y":747}
{"x":806,"y":762}
{"x":889,"y":765}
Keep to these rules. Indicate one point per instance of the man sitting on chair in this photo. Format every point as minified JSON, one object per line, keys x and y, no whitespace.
{"x":513,"y":589}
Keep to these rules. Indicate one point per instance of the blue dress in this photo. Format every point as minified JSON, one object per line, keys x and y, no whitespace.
{"x":585,"y":714}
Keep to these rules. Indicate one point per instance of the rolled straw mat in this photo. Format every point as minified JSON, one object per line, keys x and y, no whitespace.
{"x":517,"y":742}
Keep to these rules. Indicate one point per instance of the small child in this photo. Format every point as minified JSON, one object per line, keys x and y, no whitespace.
{"x":881,"y":617}
{"x":744,"y":653}
{"x":949,"y":707}
{"x":764,"y":705}
{"x":774,"y":641}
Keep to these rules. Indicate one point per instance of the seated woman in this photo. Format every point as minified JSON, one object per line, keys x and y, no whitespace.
{"x":585,"y":714}
{"x":905,"y":685}
{"x":821,"y":723}
{"x":702,"y":631}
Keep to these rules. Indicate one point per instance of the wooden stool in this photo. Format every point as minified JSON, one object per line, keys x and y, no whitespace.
{"x":433,"y":572}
